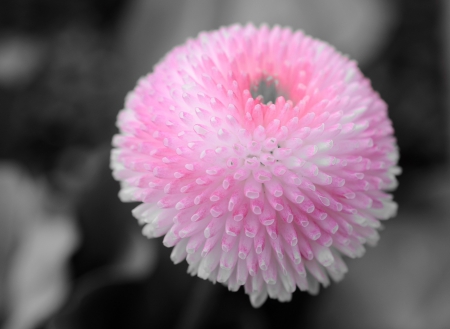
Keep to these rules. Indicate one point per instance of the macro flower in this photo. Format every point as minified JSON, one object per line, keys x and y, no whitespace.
{"x":263,"y":194}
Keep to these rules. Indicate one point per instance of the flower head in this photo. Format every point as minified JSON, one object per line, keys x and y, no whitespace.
{"x":268,"y":195}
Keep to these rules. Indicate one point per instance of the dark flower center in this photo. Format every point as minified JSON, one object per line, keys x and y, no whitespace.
{"x":267,"y":88}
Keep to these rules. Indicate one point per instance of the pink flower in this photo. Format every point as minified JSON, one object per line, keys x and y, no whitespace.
{"x":264,"y":195}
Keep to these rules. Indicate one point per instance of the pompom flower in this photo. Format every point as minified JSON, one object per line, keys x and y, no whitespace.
{"x":265,"y":195}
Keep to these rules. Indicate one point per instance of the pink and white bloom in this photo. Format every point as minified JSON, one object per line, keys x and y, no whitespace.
{"x":264,"y":195}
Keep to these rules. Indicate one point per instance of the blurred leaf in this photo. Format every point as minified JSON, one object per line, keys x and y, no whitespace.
{"x":35,"y":279}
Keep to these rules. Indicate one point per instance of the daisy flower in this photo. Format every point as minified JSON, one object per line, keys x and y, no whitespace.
{"x":267,"y":194}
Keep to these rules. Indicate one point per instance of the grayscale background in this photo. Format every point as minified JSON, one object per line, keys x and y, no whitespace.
{"x":72,"y":256}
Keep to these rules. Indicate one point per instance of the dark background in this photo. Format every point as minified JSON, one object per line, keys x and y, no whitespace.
{"x":77,"y":60}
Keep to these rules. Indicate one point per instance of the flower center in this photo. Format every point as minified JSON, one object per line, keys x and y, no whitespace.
{"x":267,"y":88}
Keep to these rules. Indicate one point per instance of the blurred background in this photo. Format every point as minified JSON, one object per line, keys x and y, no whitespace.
{"x":72,"y":256}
